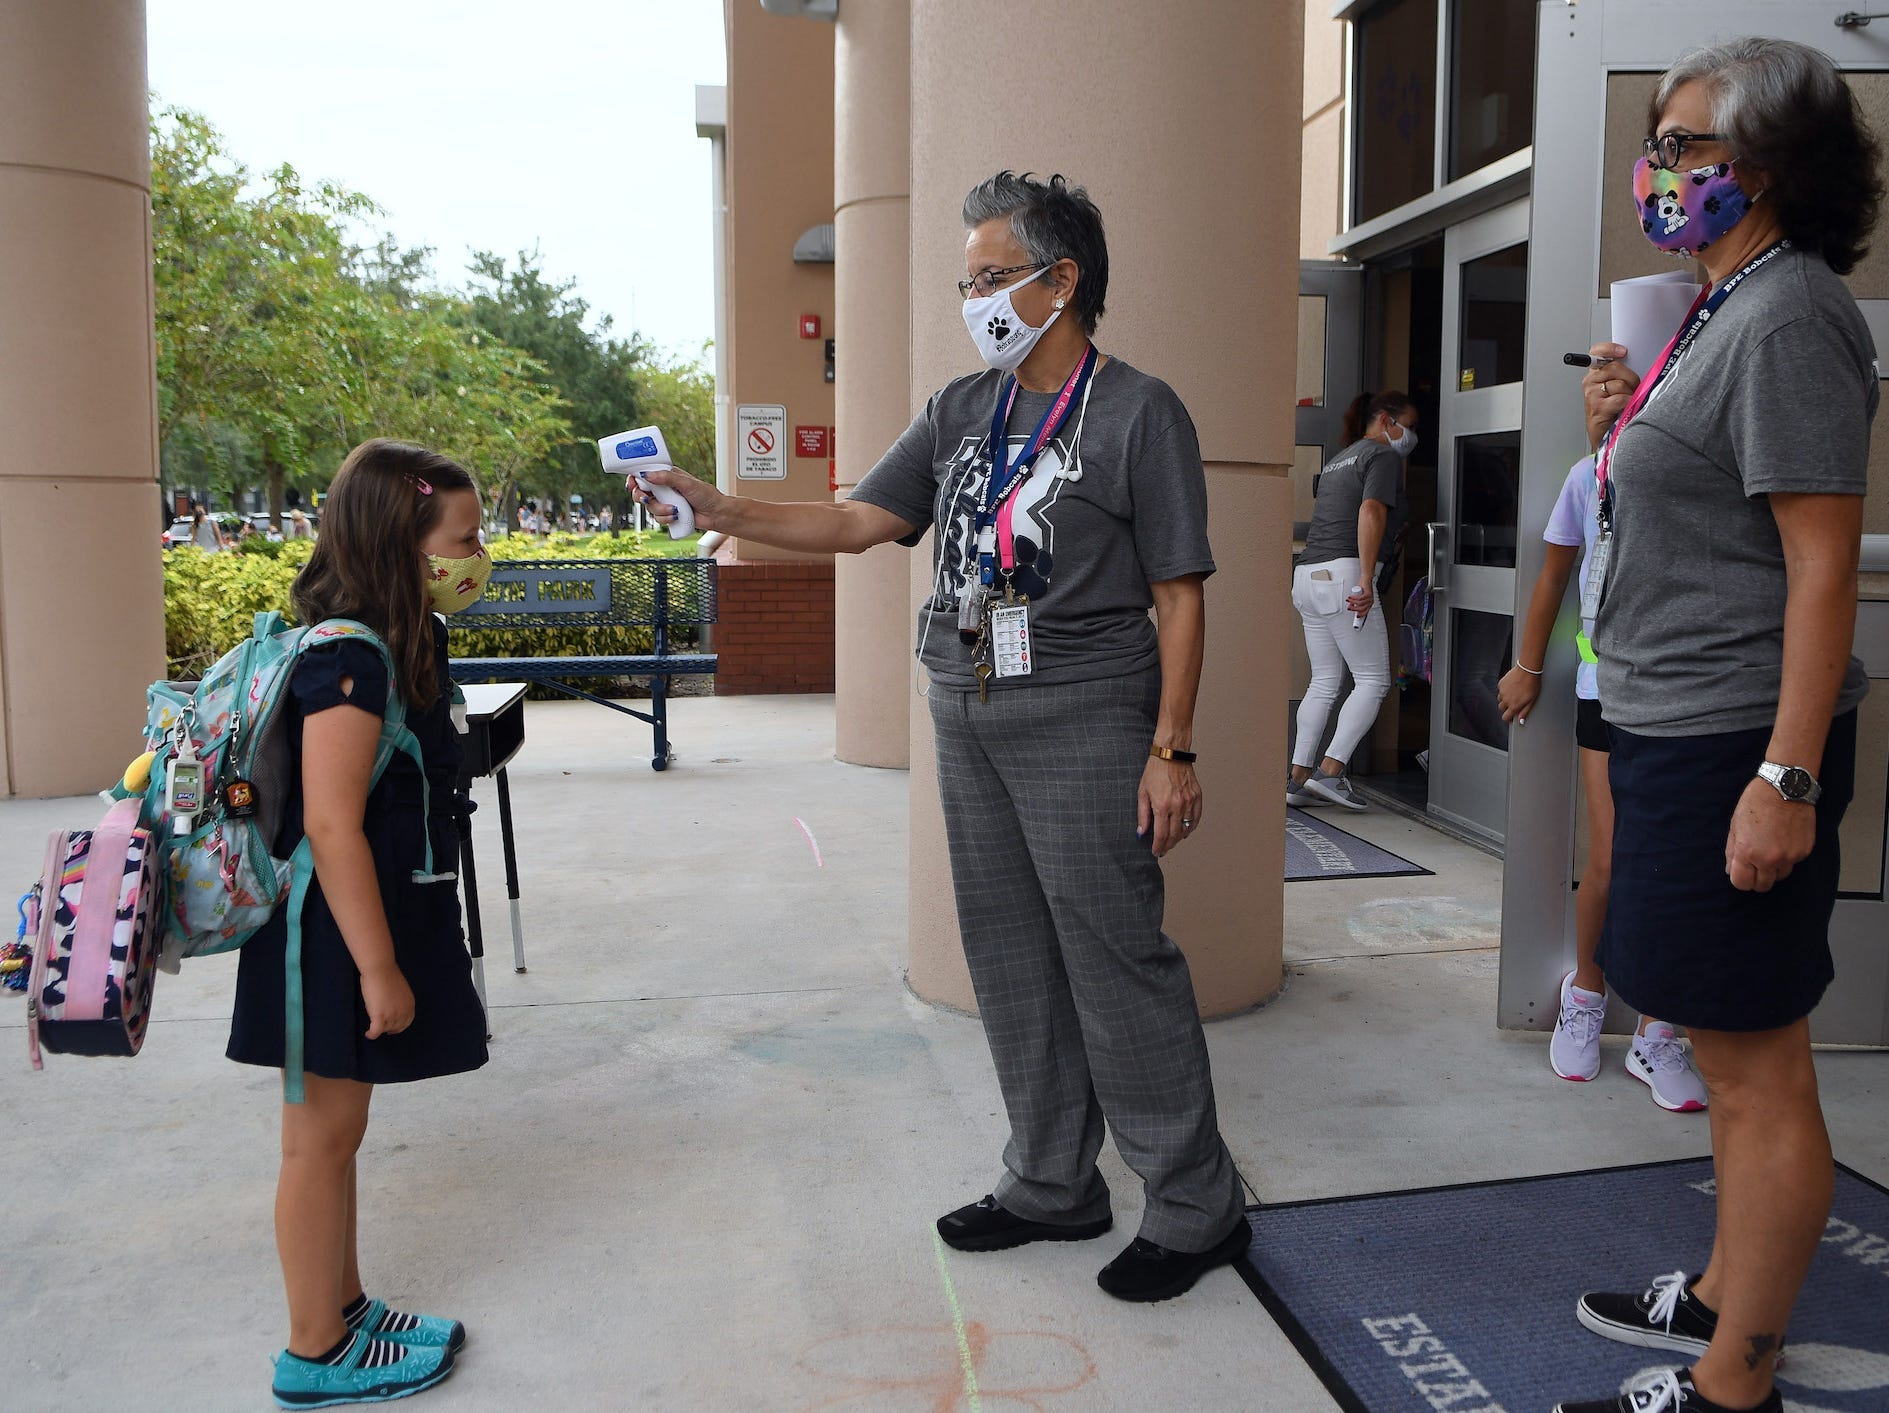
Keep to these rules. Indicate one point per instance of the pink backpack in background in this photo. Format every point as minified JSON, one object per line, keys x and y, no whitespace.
{"x":95,"y":923}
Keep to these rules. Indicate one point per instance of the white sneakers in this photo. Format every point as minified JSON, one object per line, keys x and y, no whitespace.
{"x":1574,"y":1048}
{"x":1335,"y":788}
{"x":1658,"y":1059}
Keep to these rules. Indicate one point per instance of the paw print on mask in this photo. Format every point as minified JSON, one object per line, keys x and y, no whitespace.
{"x":998,"y":328}
{"x":1034,"y":566}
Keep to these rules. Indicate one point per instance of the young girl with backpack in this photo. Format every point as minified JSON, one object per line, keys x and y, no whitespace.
{"x":387,"y":984}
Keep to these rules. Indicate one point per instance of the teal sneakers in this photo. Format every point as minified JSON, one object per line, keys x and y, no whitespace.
{"x":370,"y":1371}
{"x":414,"y":1331}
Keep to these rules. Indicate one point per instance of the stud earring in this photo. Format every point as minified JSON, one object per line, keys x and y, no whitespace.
{"x":1060,"y":303}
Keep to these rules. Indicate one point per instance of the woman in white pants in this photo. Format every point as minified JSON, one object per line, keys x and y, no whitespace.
{"x":1358,"y":512}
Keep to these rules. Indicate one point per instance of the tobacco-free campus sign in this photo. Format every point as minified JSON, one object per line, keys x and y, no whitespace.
{"x":760,"y":441}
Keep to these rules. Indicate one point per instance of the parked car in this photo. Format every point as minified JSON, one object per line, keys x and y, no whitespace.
{"x":179,"y":533}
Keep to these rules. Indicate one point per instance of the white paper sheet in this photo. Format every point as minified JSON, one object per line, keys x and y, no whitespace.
{"x":1648,"y":311}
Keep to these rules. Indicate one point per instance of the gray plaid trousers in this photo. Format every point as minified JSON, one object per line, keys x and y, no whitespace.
{"x":1088,"y":1007}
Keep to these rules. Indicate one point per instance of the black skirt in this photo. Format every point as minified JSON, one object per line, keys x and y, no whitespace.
{"x":1680,"y":942}
{"x":448,"y":1031}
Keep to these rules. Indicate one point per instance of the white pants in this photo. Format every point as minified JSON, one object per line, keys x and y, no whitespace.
{"x":1333,"y":644}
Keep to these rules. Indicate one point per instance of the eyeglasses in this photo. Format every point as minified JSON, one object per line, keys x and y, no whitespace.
{"x":1669,"y":149}
{"x":984,"y":283}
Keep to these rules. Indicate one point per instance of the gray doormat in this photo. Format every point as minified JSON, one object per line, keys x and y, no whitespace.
{"x":1462,"y":1298}
{"x":1316,"y":849}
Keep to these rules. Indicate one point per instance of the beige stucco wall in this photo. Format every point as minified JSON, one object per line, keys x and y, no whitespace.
{"x":780,"y":182}
{"x":81,"y":584}
{"x":1322,"y":118}
{"x":1181,"y":141}
{"x":871,"y":184}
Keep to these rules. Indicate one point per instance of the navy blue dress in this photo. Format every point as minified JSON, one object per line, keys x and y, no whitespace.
{"x":448,"y":1031}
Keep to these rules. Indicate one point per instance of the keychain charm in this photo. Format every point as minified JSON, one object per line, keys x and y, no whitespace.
{"x":239,"y":800}
{"x":971,"y":614}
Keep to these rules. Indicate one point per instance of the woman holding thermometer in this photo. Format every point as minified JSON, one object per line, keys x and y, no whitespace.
{"x":1068,"y":496}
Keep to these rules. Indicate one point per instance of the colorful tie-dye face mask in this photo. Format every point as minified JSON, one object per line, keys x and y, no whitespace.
{"x":1684,"y":212}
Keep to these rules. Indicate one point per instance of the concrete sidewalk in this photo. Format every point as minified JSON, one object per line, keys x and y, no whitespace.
{"x":701,"y":1169}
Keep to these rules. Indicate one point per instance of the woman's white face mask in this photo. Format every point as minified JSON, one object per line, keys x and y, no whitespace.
{"x":1403,"y":439}
{"x":998,"y":330}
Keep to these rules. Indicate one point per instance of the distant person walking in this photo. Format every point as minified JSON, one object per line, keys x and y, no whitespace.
{"x":1357,"y":517}
{"x":205,"y":533}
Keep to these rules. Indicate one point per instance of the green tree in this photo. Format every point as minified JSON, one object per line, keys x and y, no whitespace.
{"x":281,"y":338}
{"x":596,"y":373}
{"x":245,"y":273}
{"x":678,"y":395}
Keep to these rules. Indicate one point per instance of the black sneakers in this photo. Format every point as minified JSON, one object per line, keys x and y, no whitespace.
{"x":1147,"y":1272}
{"x":1664,"y":1316}
{"x":1669,"y":1391}
{"x":985,"y":1226}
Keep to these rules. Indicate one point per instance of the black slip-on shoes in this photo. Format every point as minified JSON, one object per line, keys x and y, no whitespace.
{"x":1148,"y":1272}
{"x":986,"y":1226}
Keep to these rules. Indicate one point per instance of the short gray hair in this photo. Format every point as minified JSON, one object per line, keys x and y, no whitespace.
{"x":1784,"y":109}
{"x":1052,"y":221}
{"x":1754,"y":84}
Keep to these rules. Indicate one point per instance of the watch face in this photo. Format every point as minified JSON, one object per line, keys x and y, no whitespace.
{"x":1795,"y":782}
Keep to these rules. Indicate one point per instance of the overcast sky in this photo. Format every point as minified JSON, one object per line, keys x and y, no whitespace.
{"x":568,"y":124}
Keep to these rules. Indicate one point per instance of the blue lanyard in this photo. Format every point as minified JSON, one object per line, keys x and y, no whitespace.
{"x":1005,"y":477}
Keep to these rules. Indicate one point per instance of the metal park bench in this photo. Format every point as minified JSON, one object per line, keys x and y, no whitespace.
{"x":576,"y":597}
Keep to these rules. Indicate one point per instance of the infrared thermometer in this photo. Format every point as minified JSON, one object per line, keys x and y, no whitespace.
{"x":642,"y":449}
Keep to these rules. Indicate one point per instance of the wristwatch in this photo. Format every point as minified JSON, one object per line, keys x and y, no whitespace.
{"x":1793,"y":782}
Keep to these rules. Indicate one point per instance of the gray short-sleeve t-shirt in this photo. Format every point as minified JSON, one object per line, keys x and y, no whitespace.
{"x":1776,"y":394}
{"x":1116,"y":502}
{"x":1365,"y":470}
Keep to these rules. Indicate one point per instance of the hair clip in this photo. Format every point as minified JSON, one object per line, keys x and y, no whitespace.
{"x":425,"y":488}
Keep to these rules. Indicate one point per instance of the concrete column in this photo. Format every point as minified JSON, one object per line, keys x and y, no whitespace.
{"x":81,"y":579}
{"x":1182,"y":119}
{"x":873,"y":613}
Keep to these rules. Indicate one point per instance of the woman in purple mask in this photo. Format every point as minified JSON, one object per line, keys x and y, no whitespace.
{"x":1730,"y":485}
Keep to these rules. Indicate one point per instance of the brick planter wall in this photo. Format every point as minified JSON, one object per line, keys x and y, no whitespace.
{"x":774,"y":627}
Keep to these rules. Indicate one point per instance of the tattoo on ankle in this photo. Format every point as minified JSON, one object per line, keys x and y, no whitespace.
{"x":1762,"y":1347}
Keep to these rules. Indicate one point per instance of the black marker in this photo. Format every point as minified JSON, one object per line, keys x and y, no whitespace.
{"x":1582,"y":360}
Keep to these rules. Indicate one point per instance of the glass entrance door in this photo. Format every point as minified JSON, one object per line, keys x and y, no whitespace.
{"x":1472,"y":543}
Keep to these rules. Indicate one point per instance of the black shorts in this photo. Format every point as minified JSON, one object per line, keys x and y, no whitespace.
{"x":1590,"y":732}
{"x":1680,"y":942}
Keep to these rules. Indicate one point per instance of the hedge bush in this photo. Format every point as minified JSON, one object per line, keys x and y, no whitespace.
{"x":211,"y":600}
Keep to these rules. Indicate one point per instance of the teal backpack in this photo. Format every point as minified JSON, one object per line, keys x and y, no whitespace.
{"x":221,"y":878}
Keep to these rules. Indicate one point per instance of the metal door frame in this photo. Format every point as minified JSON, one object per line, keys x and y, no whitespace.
{"x":1341,"y":284}
{"x":1468,"y":780}
{"x":1578,"y":47}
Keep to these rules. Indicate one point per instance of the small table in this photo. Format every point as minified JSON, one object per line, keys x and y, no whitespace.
{"x":495,"y":732}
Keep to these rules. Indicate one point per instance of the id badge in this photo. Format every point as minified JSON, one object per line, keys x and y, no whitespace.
{"x":1595,"y":582}
{"x":1010,"y":639}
